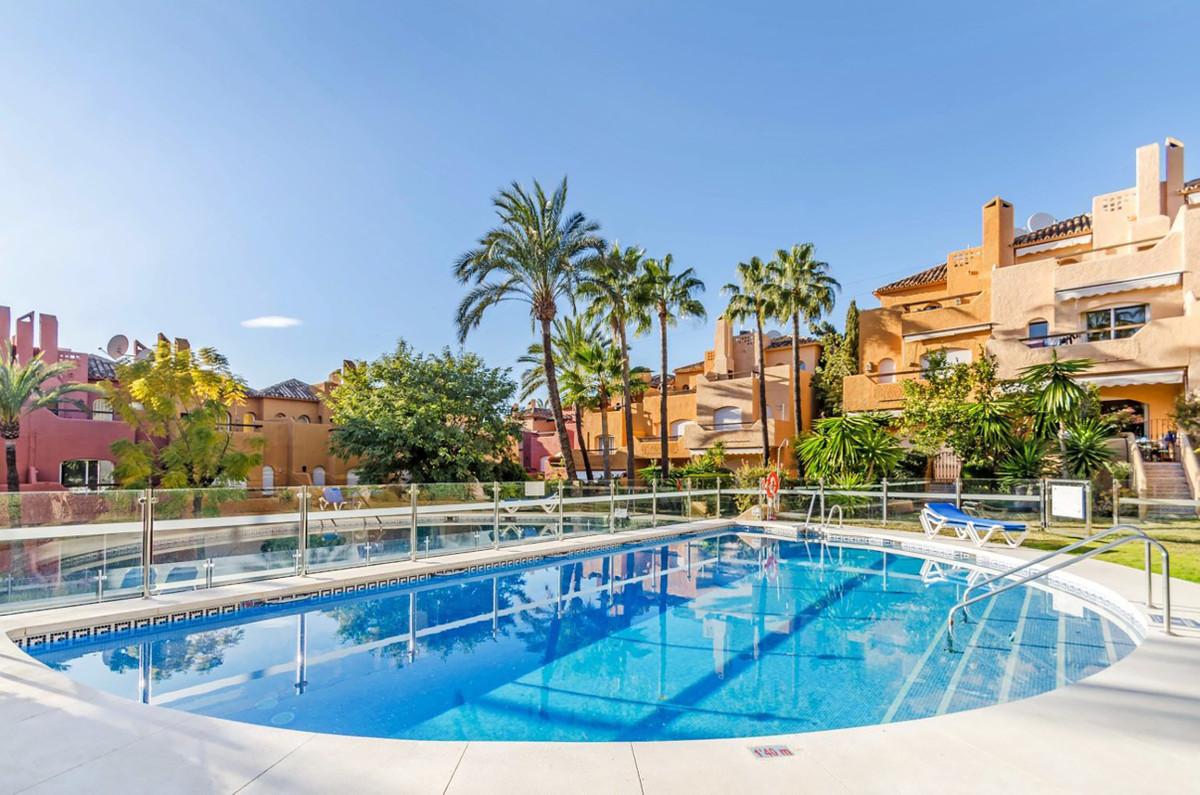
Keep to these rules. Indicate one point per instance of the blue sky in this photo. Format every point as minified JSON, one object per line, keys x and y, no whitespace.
{"x":185,"y":167}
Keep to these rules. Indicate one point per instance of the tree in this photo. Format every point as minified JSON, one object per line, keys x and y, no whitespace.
{"x":1053,"y":395}
{"x":25,"y":388}
{"x":599,"y":372}
{"x":668,"y":297}
{"x":534,"y":256}
{"x":754,"y":298}
{"x":1085,"y":446}
{"x":803,"y":290}
{"x":569,"y":336}
{"x":609,"y":284}
{"x":177,"y":400}
{"x":839,"y":360}
{"x":424,"y":418}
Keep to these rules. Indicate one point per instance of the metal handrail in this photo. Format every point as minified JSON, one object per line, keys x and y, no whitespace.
{"x":827,"y":522}
{"x":1138,"y":535}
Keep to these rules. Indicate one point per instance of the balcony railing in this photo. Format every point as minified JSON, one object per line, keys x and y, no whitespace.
{"x":1088,"y":335}
{"x":71,"y":412}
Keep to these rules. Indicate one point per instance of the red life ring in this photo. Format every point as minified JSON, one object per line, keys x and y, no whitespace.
{"x":771,"y":485}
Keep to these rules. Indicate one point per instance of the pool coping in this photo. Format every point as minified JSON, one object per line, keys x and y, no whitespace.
{"x":68,"y":735}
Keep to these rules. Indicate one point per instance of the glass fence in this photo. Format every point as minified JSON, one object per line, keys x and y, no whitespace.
{"x":62,"y":548}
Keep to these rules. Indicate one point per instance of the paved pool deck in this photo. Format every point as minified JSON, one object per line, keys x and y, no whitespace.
{"x":1134,"y":727}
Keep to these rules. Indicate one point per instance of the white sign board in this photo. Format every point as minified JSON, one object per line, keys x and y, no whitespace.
{"x":1066,"y":501}
{"x":535,"y":488}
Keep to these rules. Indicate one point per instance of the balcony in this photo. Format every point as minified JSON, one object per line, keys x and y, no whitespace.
{"x":650,"y":447}
{"x":735,"y":435}
{"x":943,"y":314}
{"x":876,"y":391}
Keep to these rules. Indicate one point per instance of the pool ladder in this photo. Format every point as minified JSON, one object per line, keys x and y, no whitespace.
{"x":826,"y":521}
{"x":1139,"y":535}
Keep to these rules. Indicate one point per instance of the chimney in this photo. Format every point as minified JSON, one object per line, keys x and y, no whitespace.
{"x":48,"y":337}
{"x":1149,"y":190}
{"x":1174,"y":176}
{"x":25,"y":338}
{"x":5,"y":330}
{"x":997,"y":234}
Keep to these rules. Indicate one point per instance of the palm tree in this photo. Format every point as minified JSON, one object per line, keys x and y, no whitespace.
{"x":669,"y":297}
{"x":609,"y":283}
{"x":533,"y":256}
{"x":753,"y":298}
{"x":600,"y":366}
{"x":803,"y":289}
{"x":25,"y":388}
{"x":569,"y":336}
{"x":1054,"y":396}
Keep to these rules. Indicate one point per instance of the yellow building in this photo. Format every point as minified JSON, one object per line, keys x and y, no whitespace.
{"x":1117,"y":285}
{"x":710,"y":401}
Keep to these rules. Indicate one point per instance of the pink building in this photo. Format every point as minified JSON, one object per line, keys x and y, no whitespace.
{"x":541,"y":453}
{"x":71,"y":445}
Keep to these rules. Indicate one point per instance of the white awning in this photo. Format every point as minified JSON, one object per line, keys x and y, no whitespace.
{"x":1132,"y":379}
{"x":1124,"y":285}
{"x":949,"y":332}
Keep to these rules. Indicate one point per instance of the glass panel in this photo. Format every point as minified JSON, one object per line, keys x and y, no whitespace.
{"x":1129,"y":315}
{"x":1099,"y":325}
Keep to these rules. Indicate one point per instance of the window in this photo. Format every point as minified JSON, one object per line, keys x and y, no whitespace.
{"x":352,"y":477}
{"x":952,"y":356}
{"x":86,"y":474}
{"x":318,"y":476}
{"x":1038,"y":329}
{"x":727,"y":417}
{"x":249,"y":419}
{"x":303,"y":419}
{"x":887,"y":371}
{"x":1117,"y":322}
{"x":605,"y":443}
{"x":281,"y":416}
{"x":677,"y":428}
{"x":102,"y":410}
{"x":803,"y":365}
{"x":268,"y":480}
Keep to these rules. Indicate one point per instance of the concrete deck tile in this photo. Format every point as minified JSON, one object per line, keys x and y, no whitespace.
{"x":546,"y":769}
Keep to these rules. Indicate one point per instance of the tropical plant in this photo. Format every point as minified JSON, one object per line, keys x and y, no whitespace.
{"x":1187,"y":412}
{"x":177,"y":400}
{"x":598,"y":370}
{"x":1085,"y":447}
{"x":748,"y":476}
{"x":849,"y":444}
{"x":534,"y":256}
{"x":667,"y":297}
{"x":570,"y":335}
{"x":1029,"y":458}
{"x":25,"y":388}
{"x":424,"y":418}
{"x":1053,"y":396}
{"x":803,"y":289}
{"x":609,"y":284}
{"x":754,"y":298}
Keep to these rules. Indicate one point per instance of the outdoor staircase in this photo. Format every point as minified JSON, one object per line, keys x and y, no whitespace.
{"x":1167,"y":480}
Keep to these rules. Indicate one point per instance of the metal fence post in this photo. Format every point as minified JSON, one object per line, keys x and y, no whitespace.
{"x":147,"y":501}
{"x":653,"y":502}
{"x":495,"y":515}
{"x":561,"y":528}
{"x":1087,"y":507}
{"x":412,"y":529}
{"x":885,"y":499}
{"x":302,"y":545}
{"x":1116,"y":497}
{"x":821,"y":493}
{"x":688,"y":486}
{"x":612,"y":506}
{"x":1042,"y":500}
{"x":958,"y":493}
{"x":718,"y":496}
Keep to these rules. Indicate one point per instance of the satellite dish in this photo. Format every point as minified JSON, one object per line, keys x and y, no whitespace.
{"x":1020,"y":230}
{"x":773,"y":334}
{"x":1040,"y":221}
{"x":117,"y":347}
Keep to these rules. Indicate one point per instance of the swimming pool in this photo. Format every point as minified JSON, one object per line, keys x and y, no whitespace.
{"x":724,"y":635}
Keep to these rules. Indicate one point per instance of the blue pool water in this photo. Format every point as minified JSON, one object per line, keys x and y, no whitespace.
{"x":726,"y":635}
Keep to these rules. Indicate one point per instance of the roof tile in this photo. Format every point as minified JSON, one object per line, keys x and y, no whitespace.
{"x":928,"y":276}
{"x":1068,"y":227}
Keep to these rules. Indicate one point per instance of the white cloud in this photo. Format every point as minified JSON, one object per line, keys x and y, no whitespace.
{"x":271,"y":321}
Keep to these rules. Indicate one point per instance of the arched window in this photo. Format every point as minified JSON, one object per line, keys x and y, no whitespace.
{"x":248,"y":418}
{"x":303,"y":419}
{"x":281,"y":416}
{"x":803,"y":365}
{"x":268,"y":480}
{"x":1036,"y":333}
{"x":318,"y":476}
{"x":887,"y":371}
{"x":727,"y":416}
{"x":677,"y":428}
{"x":352,"y":477}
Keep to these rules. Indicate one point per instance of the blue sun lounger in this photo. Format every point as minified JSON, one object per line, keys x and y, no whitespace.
{"x":938,"y":516}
